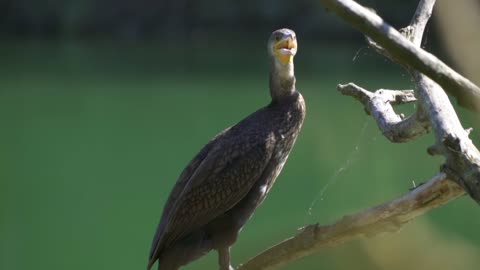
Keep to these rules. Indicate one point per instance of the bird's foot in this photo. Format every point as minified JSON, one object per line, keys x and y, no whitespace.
{"x":224,"y":259}
{"x":226,"y":267}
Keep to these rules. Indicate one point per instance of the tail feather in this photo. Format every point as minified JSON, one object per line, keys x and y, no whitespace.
{"x":151,"y":262}
{"x":164,"y":264}
{"x":181,"y":252}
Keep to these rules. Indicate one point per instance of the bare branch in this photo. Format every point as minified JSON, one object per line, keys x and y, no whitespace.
{"x":360,"y":94}
{"x":387,"y":217}
{"x":414,"y":33}
{"x":462,"y":157}
{"x":404,"y":51}
{"x":394,"y":97}
{"x":379,"y":105}
{"x":463,"y":163}
{"x":420,"y":20}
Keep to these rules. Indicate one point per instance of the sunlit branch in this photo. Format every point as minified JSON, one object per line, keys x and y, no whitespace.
{"x":394,"y":127}
{"x":387,"y":217}
{"x":405,"y":52}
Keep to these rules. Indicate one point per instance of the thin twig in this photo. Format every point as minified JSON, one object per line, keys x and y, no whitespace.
{"x":420,"y":20}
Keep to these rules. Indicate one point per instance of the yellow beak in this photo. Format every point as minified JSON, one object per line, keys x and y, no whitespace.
{"x":285,"y":49}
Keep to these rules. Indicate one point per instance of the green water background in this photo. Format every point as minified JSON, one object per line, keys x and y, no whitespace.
{"x":94,"y":134}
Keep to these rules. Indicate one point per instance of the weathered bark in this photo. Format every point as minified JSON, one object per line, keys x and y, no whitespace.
{"x":394,"y":127}
{"x":405,"y":52}
{"x":387,"y":217}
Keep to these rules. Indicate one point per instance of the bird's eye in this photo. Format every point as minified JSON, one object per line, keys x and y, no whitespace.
{"x":277,"y":38}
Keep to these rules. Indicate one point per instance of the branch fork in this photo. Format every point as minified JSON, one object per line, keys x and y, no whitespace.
{"x":379,"y":104}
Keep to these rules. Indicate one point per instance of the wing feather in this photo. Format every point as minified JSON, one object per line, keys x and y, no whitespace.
{"x":175,"y":194}
{"x":222,"y":187}
{"x":213,"y":182}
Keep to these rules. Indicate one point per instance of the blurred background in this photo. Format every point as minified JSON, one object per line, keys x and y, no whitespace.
{"x":102,"y":104}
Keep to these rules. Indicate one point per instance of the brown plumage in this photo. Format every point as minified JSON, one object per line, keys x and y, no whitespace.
{"x":221,"y":187}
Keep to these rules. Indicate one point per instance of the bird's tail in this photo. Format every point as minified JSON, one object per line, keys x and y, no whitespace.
{"x":151,"y":262}
{"x":163,"y":265}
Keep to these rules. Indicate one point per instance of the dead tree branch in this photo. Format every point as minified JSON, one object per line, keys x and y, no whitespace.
{"x":405,"y":52}
{"x":387,"y":217}
{"x":434,"y":112}
{"x":394,"y":127}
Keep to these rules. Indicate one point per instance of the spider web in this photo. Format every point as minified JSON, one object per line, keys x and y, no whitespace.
{"x":351,"y":158}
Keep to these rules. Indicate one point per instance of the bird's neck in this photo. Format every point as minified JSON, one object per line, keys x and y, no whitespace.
{"x":282,"y":80}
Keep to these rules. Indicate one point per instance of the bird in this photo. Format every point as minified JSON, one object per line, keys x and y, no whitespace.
{"x":219,"y":190}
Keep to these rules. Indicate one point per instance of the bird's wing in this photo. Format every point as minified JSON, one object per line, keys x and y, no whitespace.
{"x":221,"y":180}
{"x":176,"y":192}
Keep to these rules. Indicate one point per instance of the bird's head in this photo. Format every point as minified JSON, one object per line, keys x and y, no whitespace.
{"x":282,"y":46}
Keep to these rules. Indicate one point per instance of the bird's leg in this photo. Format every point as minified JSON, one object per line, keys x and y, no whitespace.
{"x":224,"y":258}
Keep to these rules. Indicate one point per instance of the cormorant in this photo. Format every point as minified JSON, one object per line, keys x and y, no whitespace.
{"x":224,"y":183}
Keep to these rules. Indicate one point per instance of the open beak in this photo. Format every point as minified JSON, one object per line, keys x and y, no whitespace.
{"x":287,"y":45}
{"x":286,"y":49}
